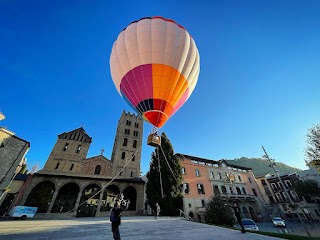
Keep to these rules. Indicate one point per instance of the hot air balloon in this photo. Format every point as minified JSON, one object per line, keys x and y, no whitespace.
{"x":155,"y":66}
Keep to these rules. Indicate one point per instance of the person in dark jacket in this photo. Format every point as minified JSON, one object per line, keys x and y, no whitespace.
{"x":115,"y":217}
{"x":236,"y":210}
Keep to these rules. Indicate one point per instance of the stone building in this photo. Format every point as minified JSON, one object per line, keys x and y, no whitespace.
{"x":72,"y":185}
{"x":204,"y":178}
{"x":12,"y":155}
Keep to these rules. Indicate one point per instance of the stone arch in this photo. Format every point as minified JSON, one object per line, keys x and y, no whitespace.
{"x":66,"y":198}
{"x":131,"y":193}
{"x":40,"y":196}
{"x":110,"y":194}
{"x":89,"y":200}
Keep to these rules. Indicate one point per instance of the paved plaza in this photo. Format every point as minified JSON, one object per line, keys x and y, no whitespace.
{"x":132,"y":228}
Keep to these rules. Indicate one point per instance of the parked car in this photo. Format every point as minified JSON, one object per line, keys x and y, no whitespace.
{"x":249,"y":224}
{"x":278,"y":222}
{"x":22,"y":212}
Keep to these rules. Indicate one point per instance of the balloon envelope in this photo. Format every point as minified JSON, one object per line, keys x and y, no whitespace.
{"x":155,"y":66}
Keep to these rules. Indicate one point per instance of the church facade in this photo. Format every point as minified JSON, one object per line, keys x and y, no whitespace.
{"x":72,"y":185}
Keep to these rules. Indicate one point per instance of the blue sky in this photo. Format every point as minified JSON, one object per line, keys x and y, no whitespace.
{"x":258,"y":83}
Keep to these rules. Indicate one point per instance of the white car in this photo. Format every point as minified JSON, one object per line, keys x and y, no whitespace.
{"x":278,"y":222}
{"x":249,"y":224}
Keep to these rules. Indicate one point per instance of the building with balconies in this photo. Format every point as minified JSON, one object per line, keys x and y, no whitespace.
{"x":205,"y":178}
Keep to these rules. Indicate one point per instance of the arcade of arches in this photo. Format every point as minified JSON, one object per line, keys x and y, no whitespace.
{"x":80,"y":197}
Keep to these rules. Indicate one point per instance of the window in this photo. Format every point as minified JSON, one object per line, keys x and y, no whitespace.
{"x":238,"y":191}
{"x":183,"y":170}
{"x":254,"y":192}
{"x":135,"y":133}
{"x":189,"y":205}
{"x":220,"y":175}
{"x":197,"y":173}
{"x":288,"y":184}
{"x":240,"y":180}
{"x":57,"y":165}
{"x":136,"y":125}
{"x":128,"y":123}
{"x":133,"y":157}
{"x":274,"y":187}
{"x":134,"y":144}
{"x":231,"y":190}
{"x":66,"y":147}
{"x":97,"y":170}
{"x":71,"y":167}
{"x":186,"y":188}
{"x":224,"y":189}
{"x":249,"y":180}
{"x":203,"y":203}
{"x":284,"y":197}
{"x":78,"y":149}
{"x":127,"y":131}
{"x":131,"y":174}
{"x":279,"y":185}
{"x":125,"y":142}
{"x":123,"y":155}
{"x":317,"y":212}
{"x":200,"y":188}
{"x":263,"y":182}
{"x":244,"y":191}
{"x":212,"y":175}
{"x":216,"y":189}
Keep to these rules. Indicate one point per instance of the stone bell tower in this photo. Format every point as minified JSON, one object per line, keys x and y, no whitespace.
{"x":127,"y":145}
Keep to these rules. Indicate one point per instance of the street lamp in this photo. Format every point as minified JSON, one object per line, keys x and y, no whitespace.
{"x":294,"y":205}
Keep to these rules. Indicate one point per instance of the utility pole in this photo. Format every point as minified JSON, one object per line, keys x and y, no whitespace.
{"x":273,"y":165}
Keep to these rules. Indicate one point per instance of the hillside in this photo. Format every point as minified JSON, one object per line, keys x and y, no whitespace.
{"x":261,"y":166}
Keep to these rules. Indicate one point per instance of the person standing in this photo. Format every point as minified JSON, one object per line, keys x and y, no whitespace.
{"x":157,"y":211}
{"x":236,"y":210}
{"x":115,"y":217}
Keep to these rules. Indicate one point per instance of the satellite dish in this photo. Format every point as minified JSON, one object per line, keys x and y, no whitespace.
{"x":2,"y":116}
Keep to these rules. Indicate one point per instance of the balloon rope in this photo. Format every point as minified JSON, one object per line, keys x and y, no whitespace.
{"x":19,"y":230}
{"x":159,"y":169}
{"x":168,"y":163}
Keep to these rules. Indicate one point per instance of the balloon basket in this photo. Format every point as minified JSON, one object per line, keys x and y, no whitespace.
{"x":154,"y":139}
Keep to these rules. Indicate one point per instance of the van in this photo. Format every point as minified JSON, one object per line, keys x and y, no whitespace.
{"x":22,"y":212}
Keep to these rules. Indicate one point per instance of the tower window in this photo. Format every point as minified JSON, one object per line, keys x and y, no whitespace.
{"x":127,"y":131}
{"x":123,"y":155}
{"x":131,"y":174}
{"x":135,"y":133}
{"x":136,"y":125}
{"x":66,"y":147}
{"x":71,"y":167}
{"x":128,"y":123}
{"x":134,"y":143}
{"x":97,"y":170}
{"x":78,"y":149}
{"x":57,"y":165}
{"x":125,"y":142}
{"x":133,"y":157}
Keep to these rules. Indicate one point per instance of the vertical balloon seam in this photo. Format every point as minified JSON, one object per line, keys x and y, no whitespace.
{"x":177,"y":53}
{"x":172,"y":97}
{"x":162,"y":72}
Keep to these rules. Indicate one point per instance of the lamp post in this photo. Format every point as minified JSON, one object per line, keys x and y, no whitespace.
{"x":273,"y":165}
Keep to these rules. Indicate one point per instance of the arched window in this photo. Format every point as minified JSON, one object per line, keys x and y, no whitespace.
{"x":123,"y":155}
{"x":97,"y":170}
{"x":135,"y":143}
{"x":224,"y":189}
{"x":133,"y":157}
{"x":125,"y":142}
{"x":57,"y":165}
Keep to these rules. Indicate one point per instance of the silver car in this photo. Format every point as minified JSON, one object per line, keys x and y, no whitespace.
{"x":278,"y":222}
{"x":249,"y":224}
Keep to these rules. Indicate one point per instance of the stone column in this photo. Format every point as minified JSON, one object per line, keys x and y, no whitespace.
{"x":77,"y":202}
{"x":53,"y":199}
{"x":99,"y":204}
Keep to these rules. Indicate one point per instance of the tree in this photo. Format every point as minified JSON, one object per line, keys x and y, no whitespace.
{"x":308,"y":189}
{"x":312,"y":152}
{"x":172,"y":199}
{"x":218,"y":213}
